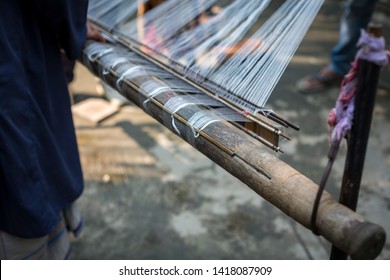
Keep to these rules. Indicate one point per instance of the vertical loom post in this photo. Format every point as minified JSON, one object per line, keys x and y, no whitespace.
{"x":368,"y":78}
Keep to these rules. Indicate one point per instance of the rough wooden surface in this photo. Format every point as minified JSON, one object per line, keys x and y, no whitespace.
{"x":274,"y":180}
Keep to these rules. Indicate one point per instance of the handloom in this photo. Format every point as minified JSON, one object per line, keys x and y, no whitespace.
{"x":191,"y":69}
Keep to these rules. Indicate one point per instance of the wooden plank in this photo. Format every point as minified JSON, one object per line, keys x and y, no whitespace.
{"x":95,"y":110}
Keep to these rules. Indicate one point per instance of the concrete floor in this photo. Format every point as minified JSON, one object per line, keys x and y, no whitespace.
{"x":149,"y":195}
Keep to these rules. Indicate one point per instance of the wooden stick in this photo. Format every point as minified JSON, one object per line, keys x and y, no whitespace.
{"x":271,"y":178}
{"x":368,"y":78}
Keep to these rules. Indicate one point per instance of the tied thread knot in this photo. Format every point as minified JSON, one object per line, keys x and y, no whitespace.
{"x":340,"y":118}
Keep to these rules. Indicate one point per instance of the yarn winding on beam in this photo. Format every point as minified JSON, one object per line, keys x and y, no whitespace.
{"x":208,"y":47}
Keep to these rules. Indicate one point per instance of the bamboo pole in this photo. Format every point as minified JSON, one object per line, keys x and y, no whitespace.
{"x":253,"y":164}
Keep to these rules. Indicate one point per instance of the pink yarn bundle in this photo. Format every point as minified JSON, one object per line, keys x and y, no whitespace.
{"x":341,"y":117}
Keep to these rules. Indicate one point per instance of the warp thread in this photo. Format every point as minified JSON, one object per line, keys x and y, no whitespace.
{"x":209,"y":48}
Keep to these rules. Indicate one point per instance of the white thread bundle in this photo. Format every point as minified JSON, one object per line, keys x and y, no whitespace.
{"x":133,"y":69}
{"x":280,"y":35}
{"x":201,"y":119}
{"x":230,"y":115}
{"x":153,"y":88}
{"x":176,"y":103}
{"x":130,"y":67}
{"x":211,"y":54}
{"x":247,"y":77}
{"x":179,"y":102}
{"x":197,"y":41}
{"x":167,"y":19}
{"x":113,"y":12}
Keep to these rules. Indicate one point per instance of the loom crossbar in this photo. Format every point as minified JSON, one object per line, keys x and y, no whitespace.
{"x":252,"y":163}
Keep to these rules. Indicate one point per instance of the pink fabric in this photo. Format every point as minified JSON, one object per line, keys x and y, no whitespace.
{"x":373,"y":49}
{"x":341,"y":117}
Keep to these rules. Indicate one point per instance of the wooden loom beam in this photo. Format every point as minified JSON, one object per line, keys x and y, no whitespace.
{"x":271,"y":178}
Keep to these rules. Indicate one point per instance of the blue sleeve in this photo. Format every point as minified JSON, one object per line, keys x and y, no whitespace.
{"x":66,"y":19}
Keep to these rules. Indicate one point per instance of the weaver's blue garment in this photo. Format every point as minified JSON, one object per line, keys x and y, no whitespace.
{"x":40,"y":172}
{"x":356,"y":16}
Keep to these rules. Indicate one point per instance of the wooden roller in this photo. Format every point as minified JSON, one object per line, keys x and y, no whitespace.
{"x":252,"y":163}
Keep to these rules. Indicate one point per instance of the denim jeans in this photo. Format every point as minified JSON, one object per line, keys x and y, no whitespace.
{"x":357,"y":14}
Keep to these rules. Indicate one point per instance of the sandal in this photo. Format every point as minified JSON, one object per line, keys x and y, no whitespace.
{"x":322,"y":81}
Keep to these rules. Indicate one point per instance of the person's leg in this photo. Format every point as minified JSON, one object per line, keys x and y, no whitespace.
{"x":356,"y":16}
{"x":54,"y":246}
